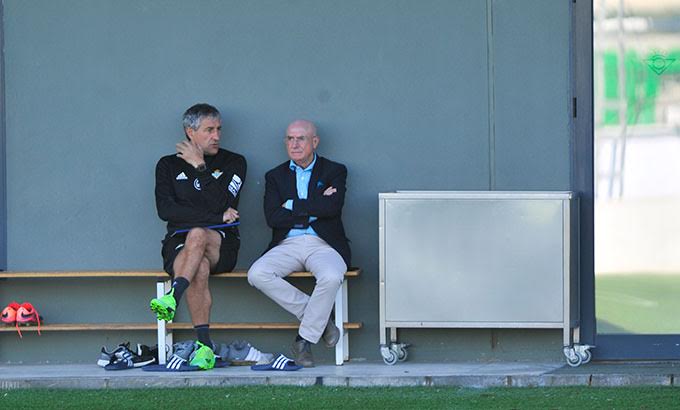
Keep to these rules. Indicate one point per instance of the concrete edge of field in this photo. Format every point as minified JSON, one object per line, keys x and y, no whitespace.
{"x":468,"y":374}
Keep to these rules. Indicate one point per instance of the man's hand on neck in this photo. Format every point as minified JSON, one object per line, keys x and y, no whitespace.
{"x":191,"y":153}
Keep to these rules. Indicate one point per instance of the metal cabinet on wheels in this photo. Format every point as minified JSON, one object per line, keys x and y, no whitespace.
{"x":479,"y":259}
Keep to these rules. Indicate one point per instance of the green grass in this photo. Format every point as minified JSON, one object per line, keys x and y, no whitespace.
{"x":637,"y":303}
{"x":282,"y":397}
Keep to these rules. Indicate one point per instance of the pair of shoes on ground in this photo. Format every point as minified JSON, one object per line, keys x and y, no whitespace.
{"x":191,"y":353}
{"x":165,"y":306}
{"x":124,"y":358}
{"x":280,"y":363}
{"x":242,"y":353}
{"x":21,"y":314}
{"x":302,"y":349}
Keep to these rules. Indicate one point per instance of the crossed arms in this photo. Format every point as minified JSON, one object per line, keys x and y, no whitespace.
{"x":322,"y":202}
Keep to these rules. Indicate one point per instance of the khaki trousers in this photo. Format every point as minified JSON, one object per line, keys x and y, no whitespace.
{"x":301,"y":253}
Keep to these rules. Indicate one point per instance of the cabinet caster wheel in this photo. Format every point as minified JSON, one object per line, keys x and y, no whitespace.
{"x":574,"y":358}
{"x":391,"y":358}
{"x":586,"y":356}
{"x":400,"y":350}
{"x":574,"y":361}
{"x":402,"y":354}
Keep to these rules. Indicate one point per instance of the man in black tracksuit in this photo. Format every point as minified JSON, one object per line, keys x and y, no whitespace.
{"x":196,"y":188}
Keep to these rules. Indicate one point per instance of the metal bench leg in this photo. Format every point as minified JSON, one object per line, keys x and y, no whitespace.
{"x":164,"y":336}
{"x":341,"y":314}
{"x":345,"y":315}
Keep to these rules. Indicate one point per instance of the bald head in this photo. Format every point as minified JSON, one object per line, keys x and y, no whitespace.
{"x":301,"y":142}
{"x":306,"y":126}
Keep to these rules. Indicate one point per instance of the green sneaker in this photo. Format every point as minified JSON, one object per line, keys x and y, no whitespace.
{"x":165,"y":306}
{"x":203,"y":357}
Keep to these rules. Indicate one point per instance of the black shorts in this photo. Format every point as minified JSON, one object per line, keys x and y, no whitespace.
{"x":172,"y":245}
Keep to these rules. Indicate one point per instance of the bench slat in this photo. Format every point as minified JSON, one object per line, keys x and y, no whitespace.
{"x":82,"y":326}
{"x":255,"y":325}
{"x":141,"y":274}
{"x":244,"y":273}
{"x":174,"y":326}
{"x":92,"y":274}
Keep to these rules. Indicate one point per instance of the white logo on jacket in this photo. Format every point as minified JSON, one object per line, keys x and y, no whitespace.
{"x":235,"y":185}
{"x":197,"y":184}
{"x":181,"y":176}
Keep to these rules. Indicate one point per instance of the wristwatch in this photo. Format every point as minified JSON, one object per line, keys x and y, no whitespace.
{"x":202,"y":167}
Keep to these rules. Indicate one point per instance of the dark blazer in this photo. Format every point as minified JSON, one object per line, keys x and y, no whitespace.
{"x":281,"y":186}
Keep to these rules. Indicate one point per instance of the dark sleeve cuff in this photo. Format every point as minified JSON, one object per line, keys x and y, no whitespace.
{"x":300,"y":222}
{"x":300,"y":207}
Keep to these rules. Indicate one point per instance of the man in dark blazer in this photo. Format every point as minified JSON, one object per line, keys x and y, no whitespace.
{"x":303,"y":205}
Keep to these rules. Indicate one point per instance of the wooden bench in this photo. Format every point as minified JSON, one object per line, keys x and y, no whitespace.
{"x":164,"y":330}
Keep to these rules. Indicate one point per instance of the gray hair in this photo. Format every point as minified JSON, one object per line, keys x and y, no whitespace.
{"x":192,"y":117}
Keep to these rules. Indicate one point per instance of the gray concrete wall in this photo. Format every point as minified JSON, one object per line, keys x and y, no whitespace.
{"x":532,"y":104}
{"x":3,"y":199}
{"x":446,"y":95}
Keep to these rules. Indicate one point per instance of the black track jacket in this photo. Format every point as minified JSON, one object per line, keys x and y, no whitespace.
{"x":186,"y":198}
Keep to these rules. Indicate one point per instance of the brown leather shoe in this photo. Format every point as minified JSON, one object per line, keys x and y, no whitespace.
{"x":331,"y":334}
{"x":302,"y":353}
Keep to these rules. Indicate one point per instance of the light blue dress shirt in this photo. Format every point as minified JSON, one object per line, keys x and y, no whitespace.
{"x":302,"y":178}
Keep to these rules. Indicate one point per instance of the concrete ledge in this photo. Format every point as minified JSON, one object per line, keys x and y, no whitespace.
{"x":551,"y":380}
{"x":385,"y":381}
{"x":474,"y":375}
{"x":481,"y":381}
{"x":616,"y":380}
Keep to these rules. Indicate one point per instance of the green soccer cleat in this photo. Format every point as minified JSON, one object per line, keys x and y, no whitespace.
{"x":165,"y":306}
{"x":203,"y":357}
